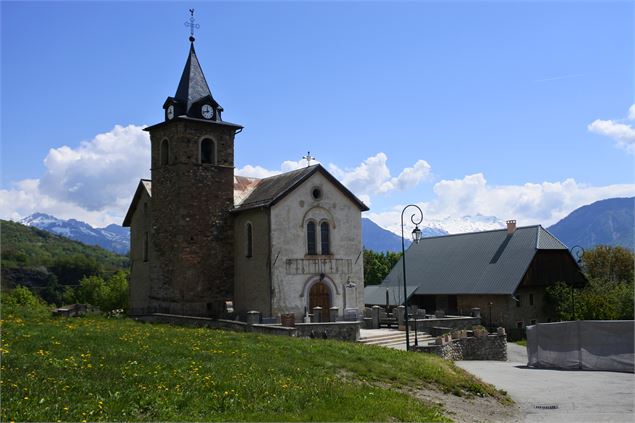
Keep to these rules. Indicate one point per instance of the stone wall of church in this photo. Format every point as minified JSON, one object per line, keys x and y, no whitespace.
{"x":139,"y":287}
{"x":294,"y":271}
{"x":253,"y":283}
{"x":192,"y":271}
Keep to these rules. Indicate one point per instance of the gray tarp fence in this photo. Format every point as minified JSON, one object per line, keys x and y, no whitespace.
{"x":584,"y":344}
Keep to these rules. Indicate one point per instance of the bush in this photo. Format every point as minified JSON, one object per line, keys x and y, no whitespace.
{"x":20,"y":301}
{"x":108,"y":294}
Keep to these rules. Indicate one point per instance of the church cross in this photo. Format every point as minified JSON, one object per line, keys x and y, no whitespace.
{"x":308,"y":158}
{"x":192,"y":25}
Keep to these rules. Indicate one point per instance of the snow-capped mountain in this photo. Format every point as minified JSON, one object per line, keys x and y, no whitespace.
{"x":459,"y":225}
{"x":113,"y":237}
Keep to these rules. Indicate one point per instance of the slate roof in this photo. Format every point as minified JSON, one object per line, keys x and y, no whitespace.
{"x":489,"y":262}
{"x":192,"y":85}
{"x":268,"y":191}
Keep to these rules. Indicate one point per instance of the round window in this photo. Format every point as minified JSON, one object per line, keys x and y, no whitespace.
{"x":317,"y":193}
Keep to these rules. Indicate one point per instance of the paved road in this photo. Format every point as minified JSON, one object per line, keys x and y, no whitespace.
{"x":580,"y":396}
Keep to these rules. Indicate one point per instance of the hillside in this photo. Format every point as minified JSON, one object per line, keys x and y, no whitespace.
{"x":99,"y":369}
{"x":605,"y":222}
{"x":30,"y":256}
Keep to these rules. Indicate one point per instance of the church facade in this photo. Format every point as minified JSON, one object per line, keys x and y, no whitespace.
{"x":202,"y":236}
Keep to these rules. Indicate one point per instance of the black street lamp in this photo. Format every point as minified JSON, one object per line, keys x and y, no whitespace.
{"x":416,"y":237}
{"x":577,"y":252}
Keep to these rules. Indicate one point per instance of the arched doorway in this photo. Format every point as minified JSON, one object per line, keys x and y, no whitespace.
{"x":320,"y":295}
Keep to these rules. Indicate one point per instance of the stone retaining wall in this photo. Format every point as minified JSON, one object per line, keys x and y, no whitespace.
{"x":487,"y":347}
{"x":345,"y":331}
{"x":451,"y":322}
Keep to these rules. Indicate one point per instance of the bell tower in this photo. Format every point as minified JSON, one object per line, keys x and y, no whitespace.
{"x":192,"y":269}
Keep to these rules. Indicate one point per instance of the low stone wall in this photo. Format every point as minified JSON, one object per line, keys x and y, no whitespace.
{"x":451,"y":322}
{"x":486,"y":347}
{"x":346,"y":331}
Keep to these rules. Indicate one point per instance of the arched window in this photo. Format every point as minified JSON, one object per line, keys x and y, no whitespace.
{"x":165,"y":152}
{"x":207,"y":151}
{"x":324,"y":238}
{"x":310,"y":238}
{"x":249,"y":245}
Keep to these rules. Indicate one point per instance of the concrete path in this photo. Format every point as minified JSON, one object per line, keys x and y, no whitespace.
{"x":547,"y":395}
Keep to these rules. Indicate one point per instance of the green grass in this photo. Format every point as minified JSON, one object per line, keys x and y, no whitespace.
{"x":96,"y":369}
{"x":522,"y":342}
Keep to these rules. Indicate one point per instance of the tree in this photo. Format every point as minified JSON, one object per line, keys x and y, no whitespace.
{"x":609,"y":293}
{"x":613,"y":264}
{"x":378,"y":265}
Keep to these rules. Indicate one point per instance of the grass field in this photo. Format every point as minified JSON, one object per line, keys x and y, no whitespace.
{"x":96,"y":369}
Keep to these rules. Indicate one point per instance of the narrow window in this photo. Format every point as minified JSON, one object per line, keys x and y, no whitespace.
{"x":518,"y":301}
{"x":145,"y":246}
{"x":145,"y":209}
{"x":324,"y":236}
{"x":531,"y":299}
{"x":165,"y":152}
{"x":207,"y":151}
{"x":310,"y":237}
{"x":250,"y":240}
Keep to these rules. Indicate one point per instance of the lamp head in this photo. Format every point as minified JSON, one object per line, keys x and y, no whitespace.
{"x":416,"y":234}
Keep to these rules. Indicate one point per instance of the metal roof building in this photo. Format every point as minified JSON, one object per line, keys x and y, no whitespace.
{"x":480,"y":263}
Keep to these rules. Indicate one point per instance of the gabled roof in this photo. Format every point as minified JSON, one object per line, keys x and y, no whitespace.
{"x":268,"y":191}
{"x":252,"y":193}
{"x":489,"y":262}
{"x":192,"y":86}
{"x":144,"y":185}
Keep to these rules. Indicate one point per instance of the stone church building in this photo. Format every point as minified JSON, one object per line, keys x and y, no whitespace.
{"x":202,"y":236}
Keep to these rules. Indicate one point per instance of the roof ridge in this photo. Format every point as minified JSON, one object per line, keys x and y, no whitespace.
{"x":478,"y":232}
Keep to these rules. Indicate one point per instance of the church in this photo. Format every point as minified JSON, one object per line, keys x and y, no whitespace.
{"x":207,"y":242}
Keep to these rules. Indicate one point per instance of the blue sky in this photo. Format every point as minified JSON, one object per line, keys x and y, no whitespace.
{"x":511,"y":109}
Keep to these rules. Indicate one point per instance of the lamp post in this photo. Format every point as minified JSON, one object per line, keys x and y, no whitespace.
{"x":577,"y":252}
{"x":416,"y":236}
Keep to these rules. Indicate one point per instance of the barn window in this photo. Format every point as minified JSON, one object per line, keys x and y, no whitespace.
{"x":531,"y":299}
{"x":165,"y":152}
{"x":207,"y":151}
{"x":324,"y":238}
{"x":310,"y":238}
{"x":518,"y":301}
{"x":249,"y":238}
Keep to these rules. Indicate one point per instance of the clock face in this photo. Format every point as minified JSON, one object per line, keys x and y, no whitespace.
{"x":207,"y":111}
{"x":170,"y":112}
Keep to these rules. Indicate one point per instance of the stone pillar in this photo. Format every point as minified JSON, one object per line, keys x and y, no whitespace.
{"x":333,"y":312}
{"x":400,"y":317}
{"x":501,"y":331}
{"x":253,"y":317}
{"x":375,"y":316}
{"x":317,"y":314}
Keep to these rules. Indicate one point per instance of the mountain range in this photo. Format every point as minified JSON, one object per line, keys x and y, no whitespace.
{"x":113,"y":237}
{"x":608,"y":222}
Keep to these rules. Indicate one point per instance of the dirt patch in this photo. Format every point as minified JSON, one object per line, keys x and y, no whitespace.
{"x":470,"y":410}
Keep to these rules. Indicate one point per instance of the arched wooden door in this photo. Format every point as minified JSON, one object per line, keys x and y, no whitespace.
{"x":319,"y":295}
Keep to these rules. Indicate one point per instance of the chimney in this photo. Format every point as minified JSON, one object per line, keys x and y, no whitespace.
{"x":511,"y":227}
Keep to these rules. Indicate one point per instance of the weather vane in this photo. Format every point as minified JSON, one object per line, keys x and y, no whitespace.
{"x":308,"y":158}
{"x":192,"y":25}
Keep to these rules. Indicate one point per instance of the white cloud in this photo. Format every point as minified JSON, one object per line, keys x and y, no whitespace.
{"x":532,"y":203}
{"x":93,"y":182}
{"x":623,"y":133}
{"x":372,"y":177}
{"x":255,"y":171}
